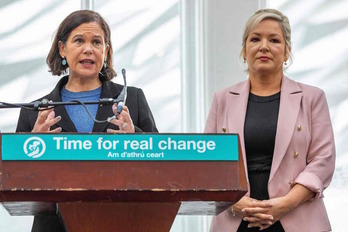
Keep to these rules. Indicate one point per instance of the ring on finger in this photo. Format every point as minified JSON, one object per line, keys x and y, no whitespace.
{"x":124,"y":125}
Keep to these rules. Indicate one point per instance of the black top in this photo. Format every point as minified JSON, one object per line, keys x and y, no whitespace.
{"x":260,"y":129}
{"x":259,"y":136}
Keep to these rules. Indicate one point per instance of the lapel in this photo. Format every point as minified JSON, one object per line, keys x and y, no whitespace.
{"x":237,"y":102}
{"x":290,"y":100}
{"x":65,"y":123}
{"x":109,"y":90}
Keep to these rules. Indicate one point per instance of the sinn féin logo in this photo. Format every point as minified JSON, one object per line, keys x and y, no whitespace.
{"x":34,"y":147}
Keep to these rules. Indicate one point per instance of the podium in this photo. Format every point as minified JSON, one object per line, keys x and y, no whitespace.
{"x":120,"y":195}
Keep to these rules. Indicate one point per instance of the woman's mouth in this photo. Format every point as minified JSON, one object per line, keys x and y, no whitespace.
{"x":86,"y":62}
{"x":264,"y":58}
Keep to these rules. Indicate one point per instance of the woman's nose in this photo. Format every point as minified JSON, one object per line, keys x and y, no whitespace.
{"x":264,"y":46}
{"x":87,"y":48}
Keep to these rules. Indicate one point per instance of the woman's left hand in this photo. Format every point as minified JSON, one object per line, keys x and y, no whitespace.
{"x":279,"y":206}
{"x":278,"y":209}
{"x":123,"y":121}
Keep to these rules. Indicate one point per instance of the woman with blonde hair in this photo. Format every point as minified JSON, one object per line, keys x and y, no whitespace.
{"x":285,"y":132}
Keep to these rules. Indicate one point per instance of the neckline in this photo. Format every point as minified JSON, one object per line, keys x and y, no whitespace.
{"x":269,"y":98}
{"x":89,"y":93}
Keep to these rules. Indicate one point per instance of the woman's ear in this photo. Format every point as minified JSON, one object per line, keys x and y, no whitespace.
{"x":287,"y":53}
{"x":106,"y":52}
{"x":61,"y":47}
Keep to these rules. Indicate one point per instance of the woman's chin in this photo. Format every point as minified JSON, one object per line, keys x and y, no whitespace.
{"x":87,"y":74}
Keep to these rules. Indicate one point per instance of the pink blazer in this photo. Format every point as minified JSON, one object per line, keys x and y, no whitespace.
{"x":304,"y":149}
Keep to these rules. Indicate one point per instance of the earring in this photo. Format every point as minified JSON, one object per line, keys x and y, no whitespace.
{"x":63,"y":61}
{"x":244,"y":61}
{"x":285,"y":63}
{"x":104,"y":64}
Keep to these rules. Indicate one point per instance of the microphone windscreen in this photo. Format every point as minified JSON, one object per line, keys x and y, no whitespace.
{"x":119,"y":107}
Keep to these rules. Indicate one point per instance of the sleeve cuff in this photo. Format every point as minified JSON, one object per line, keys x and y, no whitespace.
{"x":312,"y":182}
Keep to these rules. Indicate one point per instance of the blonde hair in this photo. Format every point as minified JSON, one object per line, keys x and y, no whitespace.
{"x":276,"y":15}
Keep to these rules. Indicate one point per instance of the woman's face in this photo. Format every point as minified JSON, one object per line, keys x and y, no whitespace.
{"x":265,"y":48}
{"x":85,"y":50}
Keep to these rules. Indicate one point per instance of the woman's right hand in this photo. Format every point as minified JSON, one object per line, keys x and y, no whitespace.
{"x":46,"y":119}
{"x":247,"y":204}
{"x":123,"y":121}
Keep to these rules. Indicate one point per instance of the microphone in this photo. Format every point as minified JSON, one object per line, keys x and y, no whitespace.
{"x":123,"y":95}
{"x":121,"y":98}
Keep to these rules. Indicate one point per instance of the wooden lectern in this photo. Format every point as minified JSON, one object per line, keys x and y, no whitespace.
{"x":120,"y":195}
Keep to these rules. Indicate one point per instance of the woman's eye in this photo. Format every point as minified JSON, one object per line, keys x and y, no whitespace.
{"x":97,"y":42}
{"x":274,"y":41}
{"x":254,"y":39}
{"x":78,"y":41}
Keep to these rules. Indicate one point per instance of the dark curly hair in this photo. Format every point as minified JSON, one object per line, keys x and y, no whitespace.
{"x":71,"y":22}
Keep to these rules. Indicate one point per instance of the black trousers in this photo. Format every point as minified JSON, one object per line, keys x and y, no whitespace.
{"x":276,"y":227}
{"x":47,"y":223}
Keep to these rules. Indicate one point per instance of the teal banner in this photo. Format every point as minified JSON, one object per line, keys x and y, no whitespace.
{"x":120,"y":147}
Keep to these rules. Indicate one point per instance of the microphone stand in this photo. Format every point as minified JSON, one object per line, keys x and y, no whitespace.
{"x":45,"y":104}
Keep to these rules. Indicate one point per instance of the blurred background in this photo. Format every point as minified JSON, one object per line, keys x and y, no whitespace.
{"x":179,"y":52}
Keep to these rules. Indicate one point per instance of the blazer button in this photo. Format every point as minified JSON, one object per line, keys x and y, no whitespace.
{"x":291,"y":183}
{"x":299,"y":128}
{"x":296,"y":154}
{"x":224,"y":129}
